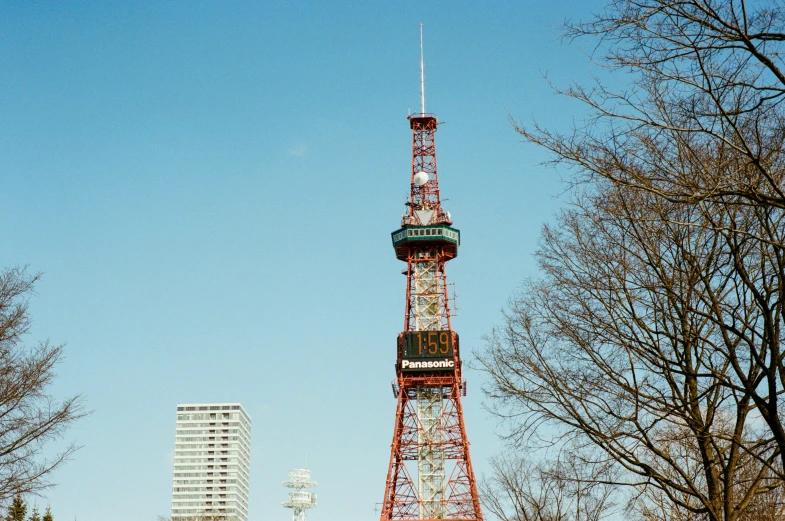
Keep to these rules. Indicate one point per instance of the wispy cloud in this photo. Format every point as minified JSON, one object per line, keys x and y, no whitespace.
{"x":297,"y":149}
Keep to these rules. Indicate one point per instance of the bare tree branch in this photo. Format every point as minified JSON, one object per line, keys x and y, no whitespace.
{"x":29,"y":417}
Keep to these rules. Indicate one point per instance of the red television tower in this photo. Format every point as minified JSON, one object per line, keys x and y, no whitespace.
{"x":430,"y":475}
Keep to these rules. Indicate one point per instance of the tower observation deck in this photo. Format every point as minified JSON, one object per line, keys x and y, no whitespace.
{"x":430,"y":474}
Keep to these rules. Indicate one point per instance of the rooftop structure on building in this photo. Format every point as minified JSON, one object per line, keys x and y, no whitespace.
{"x":212,"y":454}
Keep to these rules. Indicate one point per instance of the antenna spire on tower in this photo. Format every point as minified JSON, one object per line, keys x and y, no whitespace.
{"x":422,"y":77}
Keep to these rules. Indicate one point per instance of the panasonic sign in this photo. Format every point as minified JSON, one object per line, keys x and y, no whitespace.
{"x":425,"y":365}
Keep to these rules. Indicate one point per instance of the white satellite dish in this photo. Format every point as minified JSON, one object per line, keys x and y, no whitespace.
{"x":420,"y":178}
{"x":449,"y":217}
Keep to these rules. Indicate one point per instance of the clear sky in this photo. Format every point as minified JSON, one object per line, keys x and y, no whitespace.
{"x":209,"y":189}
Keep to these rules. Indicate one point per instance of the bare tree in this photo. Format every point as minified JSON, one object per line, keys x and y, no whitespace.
{"x":768,"y":507}
{"x":704,"y":73}
{"x":614,"y":356}
{"x":701,"y":128}
{"x":652,"y":504}
{"x":29,"y":417}
{"x":572,"y":490}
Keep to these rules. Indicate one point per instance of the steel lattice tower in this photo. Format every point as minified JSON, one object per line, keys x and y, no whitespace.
{"x":429,"y":438}
{"x":299,"y":499}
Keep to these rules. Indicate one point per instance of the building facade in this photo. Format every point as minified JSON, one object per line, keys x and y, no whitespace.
{"x":212,"y":454}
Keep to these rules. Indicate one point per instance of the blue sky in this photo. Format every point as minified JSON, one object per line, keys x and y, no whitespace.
{"x":209,"y":190}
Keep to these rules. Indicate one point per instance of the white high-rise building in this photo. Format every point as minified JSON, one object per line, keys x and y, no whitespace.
{"x":212,"y":454}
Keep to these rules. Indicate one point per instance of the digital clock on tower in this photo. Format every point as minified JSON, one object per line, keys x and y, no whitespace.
{"x":427,"y":344}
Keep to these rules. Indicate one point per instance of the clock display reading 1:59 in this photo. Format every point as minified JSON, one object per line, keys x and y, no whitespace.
{"x":427,"y":344}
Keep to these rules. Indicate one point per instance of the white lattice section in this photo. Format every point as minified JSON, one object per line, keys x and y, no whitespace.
{"x":430,"y":462}
{"x":428,"y":306}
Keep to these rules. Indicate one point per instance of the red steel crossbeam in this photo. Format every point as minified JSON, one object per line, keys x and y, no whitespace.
{"x":401,"y":501}
{"x":424,"y":160}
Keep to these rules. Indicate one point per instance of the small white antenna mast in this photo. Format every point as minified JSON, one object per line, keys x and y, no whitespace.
{"x":422,"y":77}
{"x":299,"y":499}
